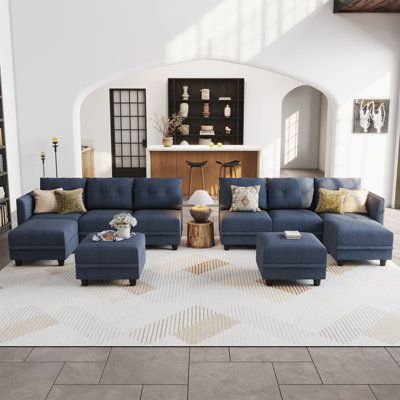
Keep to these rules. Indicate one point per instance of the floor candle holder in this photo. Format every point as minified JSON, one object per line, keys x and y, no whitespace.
{"x":55,"y":141}
{"x":43,"y":158}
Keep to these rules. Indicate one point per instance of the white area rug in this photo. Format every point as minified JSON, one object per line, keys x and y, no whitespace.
{"x":205,"y":297}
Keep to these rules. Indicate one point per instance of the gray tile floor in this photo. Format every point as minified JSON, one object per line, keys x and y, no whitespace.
{"x":222,"y":373}
{"x":103,"y":373}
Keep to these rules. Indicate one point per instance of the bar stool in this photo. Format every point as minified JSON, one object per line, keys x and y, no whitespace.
{"x":225,"y":165}
{"x":193,"y":164}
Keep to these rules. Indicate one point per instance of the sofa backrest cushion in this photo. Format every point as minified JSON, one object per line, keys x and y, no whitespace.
{"x":290,"y":193}
{"x":225,"y":191}
{"x":64,"y":183}
{"x":334,"y":184}
{"x":109,"y":193}
{"x":158,"y":193}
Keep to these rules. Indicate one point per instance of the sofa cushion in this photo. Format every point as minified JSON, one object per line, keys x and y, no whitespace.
{"x":355,"y":231}
{"x":290,"y":193}
{"x":225,"y":191}
{"x":43,"y":233}
{"x":334,"y":184}
{"x":250,"y":222}
{"x":158,"y":193}
{"x":158,"y":221}
{"x":70,"y":216}
{"x":109,"y":193}
{"x":96,"y":221}
{"x":299,"y":220}
{"x":64,"y":183}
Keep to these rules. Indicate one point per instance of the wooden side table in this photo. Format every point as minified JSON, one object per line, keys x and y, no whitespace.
{"x":200,"y":235}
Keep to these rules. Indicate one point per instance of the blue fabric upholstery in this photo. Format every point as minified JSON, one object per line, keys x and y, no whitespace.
{"x":25,"y":207}
{"x":71,"y":216}
{"x":160,"y":222}
{"x":376,"y":207}
{"x":300,"y":220}
{"x":109,"y":193}
{"x":158,"y":193}
{"x":249,"y":222}
{"x":110,"y":260}
{"x":290,"y":193}
{"x":334,"y":184}
{"x":225,"y":191}
{"x":96,"y":221}
{"x":65,"y":183}
{"x":281,"y":259}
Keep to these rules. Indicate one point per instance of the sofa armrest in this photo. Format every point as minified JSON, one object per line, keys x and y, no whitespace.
{"x":376,"y":207}
{"x":25,"y":207}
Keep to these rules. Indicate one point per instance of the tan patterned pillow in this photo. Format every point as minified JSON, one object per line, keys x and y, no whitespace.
{"x":245,"y":198}
{"x":70,"y":201}
{"x":45,"y":201}
{"x":330,"y":201}
{"x":355,"y":201}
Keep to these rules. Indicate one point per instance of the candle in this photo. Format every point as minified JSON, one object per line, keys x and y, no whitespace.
{"x":42,"y":154}
{"x":55,"y":139}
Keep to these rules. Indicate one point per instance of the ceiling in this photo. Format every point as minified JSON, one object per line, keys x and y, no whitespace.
{"x":366,"y":6}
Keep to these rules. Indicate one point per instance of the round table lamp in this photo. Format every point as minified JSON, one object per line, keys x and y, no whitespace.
{"x":200,"y":200}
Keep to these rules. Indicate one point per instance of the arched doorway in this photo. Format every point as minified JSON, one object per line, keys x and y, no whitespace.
{"x":304,"y":132}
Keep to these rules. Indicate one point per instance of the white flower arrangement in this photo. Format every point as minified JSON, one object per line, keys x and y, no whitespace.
{"x":123,"y":219}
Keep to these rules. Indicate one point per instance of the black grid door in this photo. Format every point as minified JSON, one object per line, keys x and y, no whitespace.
{"x":128,"y":132}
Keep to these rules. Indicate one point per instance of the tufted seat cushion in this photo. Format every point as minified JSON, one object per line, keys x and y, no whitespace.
{"x":290,"y":193}
{"x":161,"y":222}
{"x":158,"y":193}
{"x":296,"y":220}
{"x":110,"y":193}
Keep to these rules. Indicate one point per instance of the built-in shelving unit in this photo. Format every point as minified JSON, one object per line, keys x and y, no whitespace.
{"x":219,"y":87}
{"x":5,"y":216}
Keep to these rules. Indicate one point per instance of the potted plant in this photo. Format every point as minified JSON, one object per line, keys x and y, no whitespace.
{"x":122,"y":223}
{"x":167,"y":127}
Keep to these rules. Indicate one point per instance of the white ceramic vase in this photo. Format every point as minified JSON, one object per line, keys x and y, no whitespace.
{"x":185,"y":94}
{"x":205,"y":94}
{"x":227,"y":111}
{"x":184,"y":109}
{"x":124,"y":231}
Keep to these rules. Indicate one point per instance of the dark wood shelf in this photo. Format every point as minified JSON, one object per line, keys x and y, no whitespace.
{"x":179,"y":100}
{"x":3,"y":173}
{"x":4,"y":199}
{"x":212,"y":117}
{"x":5,"y":228}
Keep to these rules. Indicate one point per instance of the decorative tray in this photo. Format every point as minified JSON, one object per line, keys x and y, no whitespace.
{"x":108,"y":236}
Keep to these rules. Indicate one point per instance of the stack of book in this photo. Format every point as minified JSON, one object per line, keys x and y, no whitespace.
{"x":207,"y":130}
{"x":292,"y":234}
{"x":3,"y":214}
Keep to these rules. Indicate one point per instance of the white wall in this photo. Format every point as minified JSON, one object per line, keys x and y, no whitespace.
{"x":323,"y":133}
{"x":304,"y":103}
{"x":10,"y":116}
{"x":264,"y":92}
{"x":65,"y":48}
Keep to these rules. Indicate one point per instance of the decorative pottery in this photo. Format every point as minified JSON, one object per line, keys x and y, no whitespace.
{"x":227,"y":111}
{"x":204,"y":141}
{"x":184,"y":129}
{"x":184,"y":109}
{"x":227,"y":130}
{"x":184,"y":143}
{"x":2,"y":192}
{"x":124,"y":231}
{"x":167,"y":141}
{"x":185,"y":94}
{"x":200,"y":213}
{"x":205,"y":94}
{"x":206,"y":110}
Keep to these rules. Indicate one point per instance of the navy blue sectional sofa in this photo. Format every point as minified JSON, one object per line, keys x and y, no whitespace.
{"x":289,"y":204}
{"x":156,"y":203}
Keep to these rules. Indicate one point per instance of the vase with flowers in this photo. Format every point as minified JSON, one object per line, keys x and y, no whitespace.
{"x":167,"y":127}
{"x":122,"y":223}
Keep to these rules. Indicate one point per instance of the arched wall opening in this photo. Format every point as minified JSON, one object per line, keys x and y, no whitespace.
{"x":304,"y":132}
{"x":264,"y":93}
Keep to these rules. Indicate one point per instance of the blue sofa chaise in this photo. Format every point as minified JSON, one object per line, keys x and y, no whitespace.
{"x":156,"y":203}
{"x":289,"y":204}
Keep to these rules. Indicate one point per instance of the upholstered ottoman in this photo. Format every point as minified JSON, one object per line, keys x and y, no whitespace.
{"x":281,"y":259}
{"x":43,"y":239}
{"x":110,"y":260}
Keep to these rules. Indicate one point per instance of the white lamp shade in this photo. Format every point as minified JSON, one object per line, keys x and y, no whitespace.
{"x":200,"y":198}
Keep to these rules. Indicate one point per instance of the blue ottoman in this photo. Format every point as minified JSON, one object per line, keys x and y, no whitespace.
{"x":281,"y":259}
{"x":110,"y":260}
{"x":43,"y":239}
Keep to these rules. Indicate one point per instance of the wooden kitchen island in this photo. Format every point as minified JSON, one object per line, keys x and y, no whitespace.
{"x":170,"y":162}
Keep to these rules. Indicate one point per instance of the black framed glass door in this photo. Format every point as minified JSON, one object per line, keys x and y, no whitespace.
{"x":128,"y":132}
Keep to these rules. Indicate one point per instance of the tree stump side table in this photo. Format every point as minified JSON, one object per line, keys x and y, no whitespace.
{"x":200,"y":235}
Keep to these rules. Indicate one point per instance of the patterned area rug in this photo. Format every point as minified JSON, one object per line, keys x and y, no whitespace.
{"x":205,"y":297}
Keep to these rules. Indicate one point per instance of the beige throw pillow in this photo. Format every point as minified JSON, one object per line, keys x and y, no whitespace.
{"x":355,"y":201}
{"x":45,"y":201}
{"x":70,"y":201}
{"x":245,"y":198}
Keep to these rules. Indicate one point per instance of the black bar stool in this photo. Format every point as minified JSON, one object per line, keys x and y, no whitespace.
{"x":193,"y":164}
{"x":225,"y":165}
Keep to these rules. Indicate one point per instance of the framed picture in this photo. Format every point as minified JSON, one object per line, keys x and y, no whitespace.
{"x":371,"y":115}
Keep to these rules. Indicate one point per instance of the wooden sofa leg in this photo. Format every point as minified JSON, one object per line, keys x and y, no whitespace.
{"x":61,"y":263}
{"x":383,"y":263}
{"x":226,"y":247}
{"x":174,"y":247}
{"x":317,"y":282}
{"x":267,"y":282}
{"x":18,"y":263}
{"x":132,"y":282}
{"x":84,"y":282}
{"x":340,"y":263}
